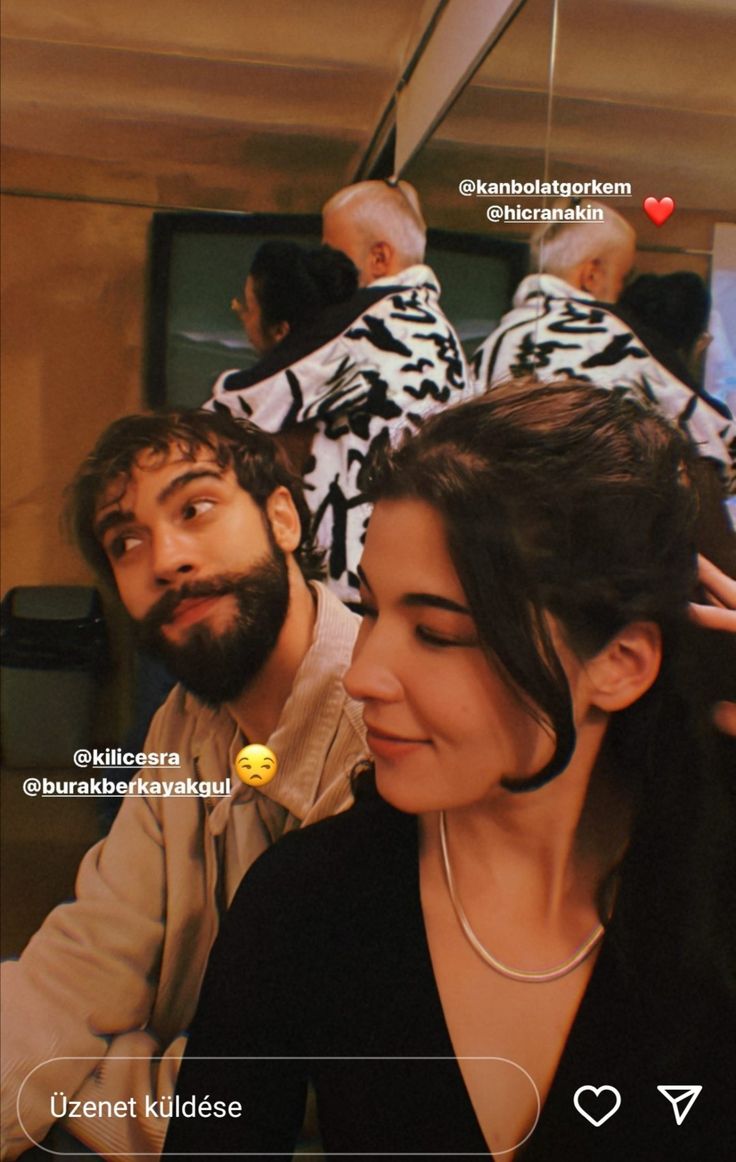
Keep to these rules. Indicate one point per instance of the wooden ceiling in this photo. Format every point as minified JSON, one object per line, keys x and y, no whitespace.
{"x":246,"y":105}
{"x":643,"y":92}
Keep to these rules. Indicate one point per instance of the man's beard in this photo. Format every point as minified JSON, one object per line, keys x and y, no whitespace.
{"x":218,"y":667}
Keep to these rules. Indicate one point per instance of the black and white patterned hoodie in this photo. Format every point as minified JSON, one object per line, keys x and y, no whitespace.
{"x":555,"y":329}
{"x":368,"y":369}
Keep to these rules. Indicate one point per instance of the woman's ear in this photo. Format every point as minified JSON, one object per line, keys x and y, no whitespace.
{"x":284,"y":519}
{"x":278,"y":331}
{"x":626,"y":667}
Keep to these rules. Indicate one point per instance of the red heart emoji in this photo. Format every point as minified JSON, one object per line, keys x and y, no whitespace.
{"x":659,"y":209}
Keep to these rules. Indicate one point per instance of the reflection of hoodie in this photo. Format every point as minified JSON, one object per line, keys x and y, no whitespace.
{"x":363,"y":372}
{"x":555,"y":329}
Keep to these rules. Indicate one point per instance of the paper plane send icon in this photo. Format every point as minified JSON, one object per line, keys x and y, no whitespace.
{"x":682,"y":1097}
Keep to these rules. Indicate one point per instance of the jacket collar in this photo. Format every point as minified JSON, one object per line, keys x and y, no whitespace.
{"x":550,"y":286}
{"x":418,"y":275}
{"x":308,"y":721}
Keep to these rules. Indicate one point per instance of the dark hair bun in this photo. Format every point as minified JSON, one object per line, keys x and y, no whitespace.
{"x":675,"y":305}
{"x":333,"y":272}
{"x":294,"y":285}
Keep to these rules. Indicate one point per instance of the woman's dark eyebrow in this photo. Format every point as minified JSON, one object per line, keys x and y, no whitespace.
{"x":431,"y":599}
{"x":435,"y":601}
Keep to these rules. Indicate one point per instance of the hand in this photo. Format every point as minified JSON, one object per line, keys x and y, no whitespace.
{"x":719,"y":614}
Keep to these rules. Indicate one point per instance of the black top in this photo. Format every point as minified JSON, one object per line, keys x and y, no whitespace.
{"x":323,"y":959}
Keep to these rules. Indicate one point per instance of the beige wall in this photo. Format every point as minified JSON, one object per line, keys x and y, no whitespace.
{"x":73,"y":290}
{"x":73,"y":307}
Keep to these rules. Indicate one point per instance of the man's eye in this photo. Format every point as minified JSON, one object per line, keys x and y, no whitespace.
{"x":194,"y":508}
{"x":122,"y":544}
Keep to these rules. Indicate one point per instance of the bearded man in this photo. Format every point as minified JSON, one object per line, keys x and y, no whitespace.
{"x":202,"y":530}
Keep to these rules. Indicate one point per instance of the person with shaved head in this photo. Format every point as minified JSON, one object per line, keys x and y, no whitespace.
{"x":564,"y":322}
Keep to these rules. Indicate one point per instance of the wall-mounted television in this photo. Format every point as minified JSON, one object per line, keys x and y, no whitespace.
{"x":199,"y":262}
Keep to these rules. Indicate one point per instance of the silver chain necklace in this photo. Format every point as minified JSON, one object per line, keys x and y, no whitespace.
{"x":581,"y":954}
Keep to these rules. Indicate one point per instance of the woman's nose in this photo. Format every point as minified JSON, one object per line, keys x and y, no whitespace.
{"x":372,"y":675}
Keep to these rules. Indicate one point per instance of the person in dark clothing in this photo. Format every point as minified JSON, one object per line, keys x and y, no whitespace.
{"x":523,"y":914}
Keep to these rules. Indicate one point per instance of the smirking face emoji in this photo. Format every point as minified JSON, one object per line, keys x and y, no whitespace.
{"x":256,"y":765}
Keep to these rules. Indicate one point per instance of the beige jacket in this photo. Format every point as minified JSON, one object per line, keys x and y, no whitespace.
{"x":112,"y":979}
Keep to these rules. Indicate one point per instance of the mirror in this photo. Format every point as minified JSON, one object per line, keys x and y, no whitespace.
{"x":636,"y":92}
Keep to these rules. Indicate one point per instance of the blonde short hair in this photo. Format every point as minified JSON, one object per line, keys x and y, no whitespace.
{"x":383,"y":211}
{"x":558,"y":247}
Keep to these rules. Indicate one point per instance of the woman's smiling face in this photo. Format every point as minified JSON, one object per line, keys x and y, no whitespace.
{"x":443,"y":727}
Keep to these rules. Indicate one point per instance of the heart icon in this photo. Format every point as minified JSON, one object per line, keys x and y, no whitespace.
{"x":659,"y":209}
{"x":588,"y":1089}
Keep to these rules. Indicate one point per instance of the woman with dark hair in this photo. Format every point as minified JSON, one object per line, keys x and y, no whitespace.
{"x":677,"y":305}
{"x":524,"y":924}
{"x":288,"y":298}
{"x":669,"y":313}
{"x":287,"y":289}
